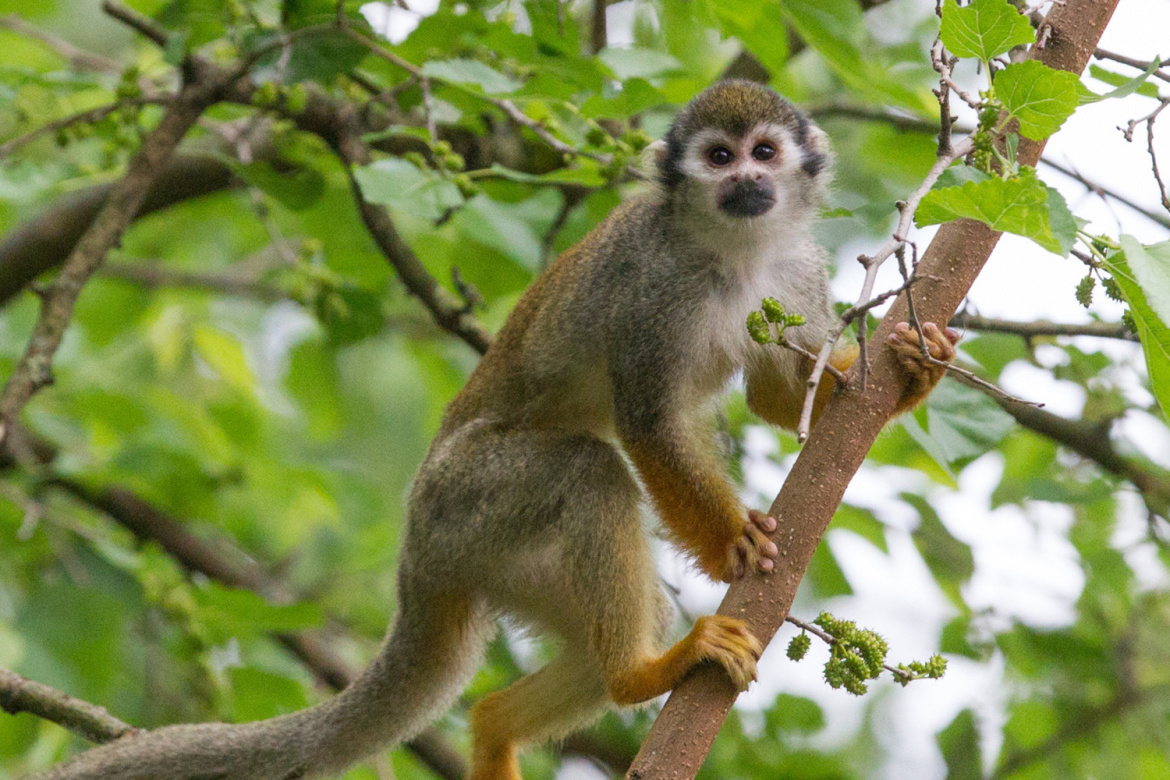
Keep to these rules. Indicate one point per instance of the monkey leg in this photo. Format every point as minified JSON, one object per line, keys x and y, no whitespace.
{"x":565,"y":695}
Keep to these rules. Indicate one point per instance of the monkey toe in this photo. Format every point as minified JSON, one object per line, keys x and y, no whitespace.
{"x":729,"y":643}
{"x":753,"y":550}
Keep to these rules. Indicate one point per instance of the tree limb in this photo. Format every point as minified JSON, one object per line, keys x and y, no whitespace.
{"x":78,"y":59}
{"x":89,"y":721}
{"x":1090,"y":439}
{"x":1037,"y":328}
{"x":34,"y":370}
{"x":693,"y":714}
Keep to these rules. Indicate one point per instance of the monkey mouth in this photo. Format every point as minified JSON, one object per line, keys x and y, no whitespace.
{"x":747,"y":199}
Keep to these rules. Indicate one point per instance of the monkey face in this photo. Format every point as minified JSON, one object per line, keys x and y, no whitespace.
{"x":739,"y":172}
{"x":739,"y":151}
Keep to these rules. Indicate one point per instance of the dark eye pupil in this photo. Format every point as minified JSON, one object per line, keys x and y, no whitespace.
{"x":719,"y":156}
{"x":763,"y":152}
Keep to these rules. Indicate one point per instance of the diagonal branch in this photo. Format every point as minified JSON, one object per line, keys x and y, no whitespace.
{"x":219,"y":561}
{"x":19,"y":694}
{"x":693,"y":714}
{"x":34,"y":370}
{"x":79,"y":59}
{"x":1090,"y":439}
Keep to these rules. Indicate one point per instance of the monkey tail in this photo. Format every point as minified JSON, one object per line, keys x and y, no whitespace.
{"x":423,"y":664}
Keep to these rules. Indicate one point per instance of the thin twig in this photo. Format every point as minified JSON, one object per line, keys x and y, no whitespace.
{"x":1041,"y":328}
{"x":942,"y":64}
{"x":1154,"y":156}
{"x":81,"y":118}
{"x":89,"y":721}
{"x":1104,"y":192}
{"x":155,"y":277}
{"x":901,"y":675}
{"x":144,"y":25}
{"x":1143,"y":65}
{"x":79,"y":59}
{"x":872,"y":264}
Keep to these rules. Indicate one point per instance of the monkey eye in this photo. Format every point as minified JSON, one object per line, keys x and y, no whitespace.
{"x":764,"y":151}
{"x":720,"y":156}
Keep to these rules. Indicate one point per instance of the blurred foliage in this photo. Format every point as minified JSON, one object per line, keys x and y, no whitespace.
{"x":288,"y":415}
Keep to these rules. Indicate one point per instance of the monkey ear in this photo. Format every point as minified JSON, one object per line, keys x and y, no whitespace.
{"x":653,"y":156}
{"x":657,"y":150}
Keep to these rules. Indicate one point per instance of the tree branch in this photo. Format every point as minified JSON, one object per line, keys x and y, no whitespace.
{"x":1090,"y":439}
{"x":1103,"y":191}
{"x":693,"y":714}
{"x":219,"y":561}
{"x":1038,"y":328}
{"x":89,"y":721}
{"x":78,"y":59}
{"x":34,"y":370}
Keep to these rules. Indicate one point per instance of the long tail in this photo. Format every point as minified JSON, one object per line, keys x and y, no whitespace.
{"x":421,"y":668}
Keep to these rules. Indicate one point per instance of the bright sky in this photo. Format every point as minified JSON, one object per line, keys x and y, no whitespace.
{"x":1025,"y":568}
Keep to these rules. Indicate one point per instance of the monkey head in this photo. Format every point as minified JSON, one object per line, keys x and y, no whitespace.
{"x":739,"y":151}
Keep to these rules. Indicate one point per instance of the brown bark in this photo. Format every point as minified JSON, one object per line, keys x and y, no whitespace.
{"x":19,"y":694}
{"x":692,"y":717}
{"x":46,"y":240}
{"x":125,"y":198}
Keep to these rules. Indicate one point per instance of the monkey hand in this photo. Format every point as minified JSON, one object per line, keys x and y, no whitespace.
{"x":752,"y":550}
{"x":923,"y":372}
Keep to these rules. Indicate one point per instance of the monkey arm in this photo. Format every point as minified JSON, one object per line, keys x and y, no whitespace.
{"x":691,"y":491}
{"x":777,"y":396}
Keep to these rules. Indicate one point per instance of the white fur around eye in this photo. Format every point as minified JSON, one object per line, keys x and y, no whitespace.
{"x":694,"y":159}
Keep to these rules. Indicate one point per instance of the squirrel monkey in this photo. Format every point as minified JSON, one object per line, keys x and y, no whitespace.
{"x":527,"y":504}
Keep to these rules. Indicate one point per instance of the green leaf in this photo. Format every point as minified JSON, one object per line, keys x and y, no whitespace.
{"x":1124,"y":86}
{"x":836,"y":30}
{"x":1020,"y":205}
{"x":825,"y":576}
{"x":793,"y":714}
{"x":464,"y":71}
{"x":224,"y":354}
{"x":236,"y":612}
{"x":1151,"y":267}
{"x":1040,"y":97}
{"x":958,"y":175}
{"x":587,"y":175}
{"x":862,"y":522}
{"x":638,"y":63}
{"x":949,"y":560}
{"x":297,"y":190}
{"x":400,"y":185}
{"x":636,"y":96}
{"x":984,"y":29}
{"x":1152,"y":330}
{"x":959,"y":743}
{"x":1061,"y":221}
{"x":201,"y":21}
{"x":502,"y":226}
{"x":964,"y":423}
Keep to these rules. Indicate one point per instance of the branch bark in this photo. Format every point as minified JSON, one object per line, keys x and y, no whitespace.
{"x":33,"y":371}
{"x":224,"y":564}
{"x":1090,"y":439}
{"x":19,"y":694}
{"x":692,"y":716}
{"x":1036,"y":328}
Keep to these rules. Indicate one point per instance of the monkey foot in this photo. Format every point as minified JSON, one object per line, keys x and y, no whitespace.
{"x":753,"y":550}
{"x":925,"y":373}
{"x":728,"y":642}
